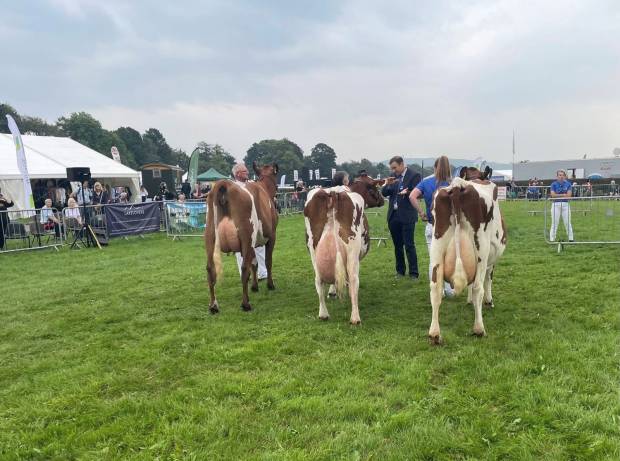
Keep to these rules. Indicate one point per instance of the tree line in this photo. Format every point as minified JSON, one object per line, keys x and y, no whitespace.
{"x":137,"y":148}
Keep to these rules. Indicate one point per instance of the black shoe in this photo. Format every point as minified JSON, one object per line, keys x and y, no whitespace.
{"x":414,"y":278}
{"x":399,"y":275}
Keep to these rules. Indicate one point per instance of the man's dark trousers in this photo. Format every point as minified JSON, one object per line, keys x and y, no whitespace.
{"x":402,"y":235}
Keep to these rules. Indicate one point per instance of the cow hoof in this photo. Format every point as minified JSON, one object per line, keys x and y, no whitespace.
{"x":489,"y":304}
{"x":271,"y":286}
{"x":356,"y":322}
{"x":436,"y":340}
{"x":246,"y":307}
{"x":254,"y":288}
{"x":214,"y":309}
{"x":324,"y":317}
{"x":331,"y":295}
{"x":479,"y":333}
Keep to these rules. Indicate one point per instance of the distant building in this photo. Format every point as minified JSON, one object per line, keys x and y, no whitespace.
{"x":575,"y":168}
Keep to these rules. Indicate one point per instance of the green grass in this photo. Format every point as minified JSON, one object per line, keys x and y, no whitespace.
{"x":112,"y":355}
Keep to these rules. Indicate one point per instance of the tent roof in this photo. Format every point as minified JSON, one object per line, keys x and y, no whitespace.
{"x":50,"y":156}
{"x":211,"y":175}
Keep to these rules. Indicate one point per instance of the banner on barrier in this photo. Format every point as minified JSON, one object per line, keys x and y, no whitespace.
{"x":132,"y":219}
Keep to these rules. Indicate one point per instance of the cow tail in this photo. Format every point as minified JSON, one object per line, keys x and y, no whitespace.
{"x":459,"y":280}
{"x":341,"y":270}
{"x":219,"y":205}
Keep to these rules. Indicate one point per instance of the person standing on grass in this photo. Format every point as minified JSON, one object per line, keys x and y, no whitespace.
{"x":401,"y":215}
{"x":5,"y":204}
{"x":426,"y":189}
{"x":561,"y":191}
{"x":242,"y":175}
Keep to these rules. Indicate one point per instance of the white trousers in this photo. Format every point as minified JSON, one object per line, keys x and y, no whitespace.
{"x":260,"y":259}
{"x":560,"y":209}
{"x":428,"y":234}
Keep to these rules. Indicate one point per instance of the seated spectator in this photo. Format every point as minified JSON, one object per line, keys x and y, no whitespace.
{"x":73,"y":211}
{"x":49,"y":219}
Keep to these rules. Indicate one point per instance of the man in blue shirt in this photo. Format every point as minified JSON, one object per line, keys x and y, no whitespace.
{"x":561,"y":191}
{"x":426,"y":189}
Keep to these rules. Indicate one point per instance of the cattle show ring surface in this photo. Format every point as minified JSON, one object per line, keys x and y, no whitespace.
{"x":113,"y":355}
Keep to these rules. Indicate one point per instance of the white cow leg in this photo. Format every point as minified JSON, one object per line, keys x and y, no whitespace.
{"x":354,"y":284}
{"x":477,"y":294}
{"x":434,"y":333}
{"x":469,"y":295}
{"x":323,"y":313}
{"x":332,"y":291}
{"x":488,"y":286}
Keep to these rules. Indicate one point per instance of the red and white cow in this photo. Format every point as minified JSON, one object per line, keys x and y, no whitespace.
{"x":338,"y":239}
{"x":469,"y":237}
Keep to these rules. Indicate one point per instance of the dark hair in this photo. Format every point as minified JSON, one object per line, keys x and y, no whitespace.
{"x":339,"y":177}
{"x":397,"y":158}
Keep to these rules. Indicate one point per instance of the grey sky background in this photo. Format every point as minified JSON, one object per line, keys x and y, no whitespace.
{"x":368,"y":78}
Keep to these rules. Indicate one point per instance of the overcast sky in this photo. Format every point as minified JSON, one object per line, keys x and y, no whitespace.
{"x":369,"y":78}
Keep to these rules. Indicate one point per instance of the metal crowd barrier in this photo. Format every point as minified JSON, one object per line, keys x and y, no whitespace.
{"x":23,"y":230}
{"x":186,"y":219}
{"x":599,"y":225}
{"x":289,"y":203}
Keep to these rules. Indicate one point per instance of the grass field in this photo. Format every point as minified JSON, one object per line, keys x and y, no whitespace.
{"x":112,"y":355}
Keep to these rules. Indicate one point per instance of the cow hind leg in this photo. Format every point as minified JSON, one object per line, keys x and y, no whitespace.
{"x":214,"y":307}
{"x":469,"y":295}
{"x":269,"y":260}
{"x":320,"y":289}
{"x":354,"y":284}
{"x":332,"y":291}
{"x":254,"y":277}
{"x":488,"y":285}
{"x":436,"y":288}
{"x":477,"y":295}
{"x":248,"y":256}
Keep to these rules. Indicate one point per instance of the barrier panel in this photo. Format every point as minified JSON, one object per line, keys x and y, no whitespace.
{"x":289,"y":203}
{"x":598,"y":224}
{"x":377,"y":224}
{"x":96,"y":224}
{"x":186,"y":219}
{"x":30,"y":230}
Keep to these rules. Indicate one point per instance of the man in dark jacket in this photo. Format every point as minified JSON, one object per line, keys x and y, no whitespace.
{"x":401,"y":214}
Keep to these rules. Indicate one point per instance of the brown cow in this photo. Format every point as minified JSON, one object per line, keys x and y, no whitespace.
{"x":240,"y":218}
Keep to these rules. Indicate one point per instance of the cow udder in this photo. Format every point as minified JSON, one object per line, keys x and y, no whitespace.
{"x":325,"y":257}
{"x":227,"y":233}
{"x":468,"y":256}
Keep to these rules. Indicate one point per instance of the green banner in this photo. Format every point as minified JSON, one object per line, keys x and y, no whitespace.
{"x":192,"y":172}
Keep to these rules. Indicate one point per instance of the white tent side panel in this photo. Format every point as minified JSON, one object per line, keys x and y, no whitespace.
{"x":48,"y":157}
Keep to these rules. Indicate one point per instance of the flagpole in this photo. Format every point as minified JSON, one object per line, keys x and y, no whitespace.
{"x":513,"y":154}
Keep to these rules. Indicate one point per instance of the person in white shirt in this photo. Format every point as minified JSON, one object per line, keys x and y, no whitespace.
{"x":49,"y":219}
{"x":242,"y":175}
{"x":73,"y":211}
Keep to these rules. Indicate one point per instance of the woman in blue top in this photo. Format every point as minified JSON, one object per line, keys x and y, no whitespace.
{"x":561,"y":191}
{"x":426,"y":189}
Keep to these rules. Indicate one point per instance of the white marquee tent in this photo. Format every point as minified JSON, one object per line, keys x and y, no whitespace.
{"x":48,"y":157}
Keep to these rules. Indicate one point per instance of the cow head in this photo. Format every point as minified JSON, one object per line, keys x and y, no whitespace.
{"x":368,"y":188}
{"x":470,"y":173}
{"x":268,"y":177}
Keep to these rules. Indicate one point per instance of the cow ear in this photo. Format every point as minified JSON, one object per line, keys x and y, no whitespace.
{"x":275,"y":168}
{"x":256,"y":169}
{"x":463,"y":172}
{"x":488,"y":172}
